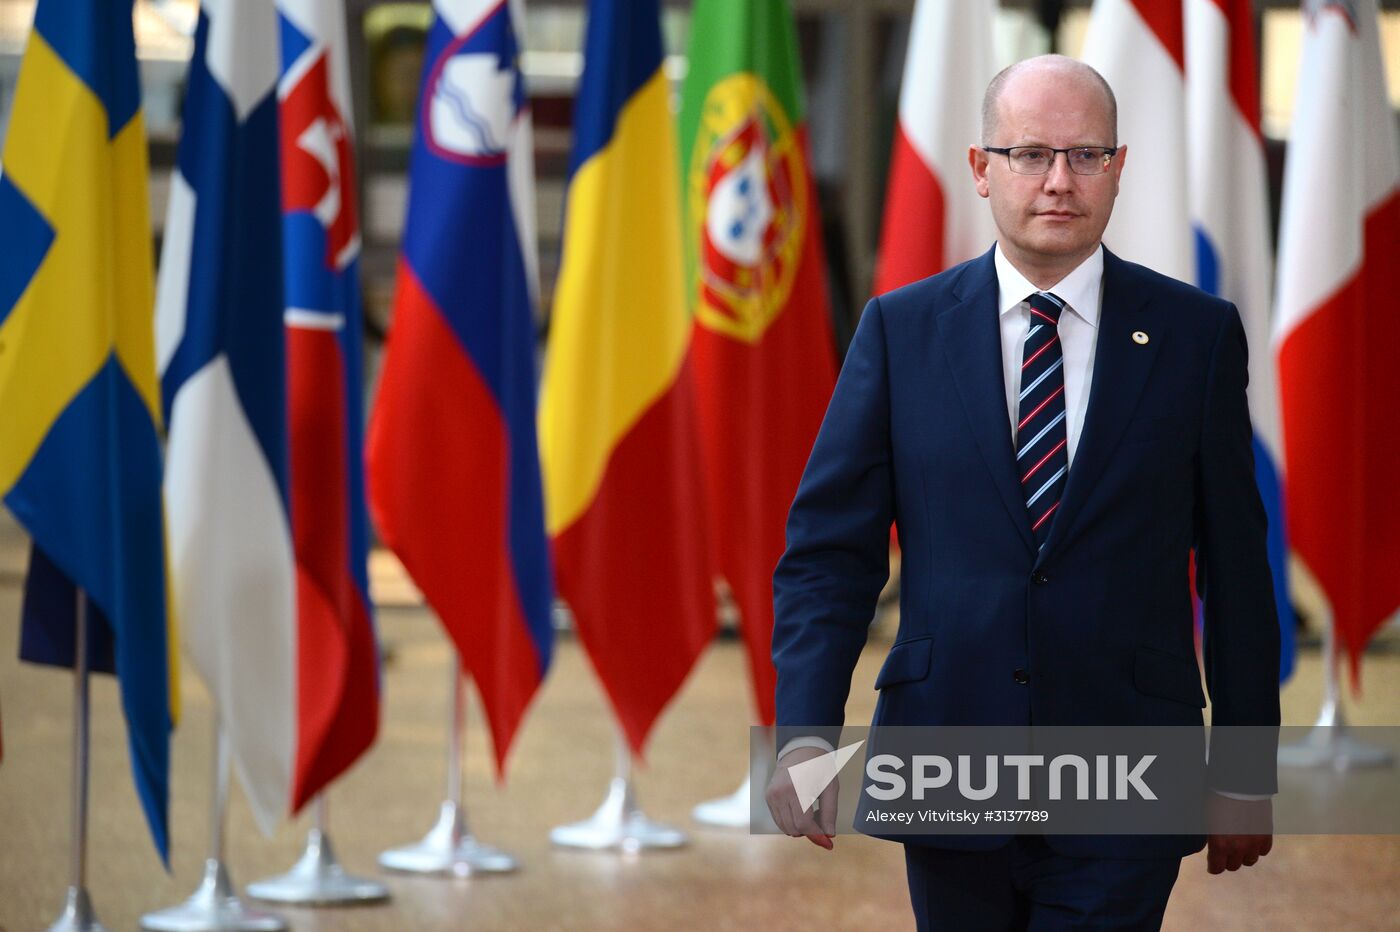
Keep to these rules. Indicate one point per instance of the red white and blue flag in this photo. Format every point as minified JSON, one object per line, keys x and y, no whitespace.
{"x":221,"y":353}
{"x":453,"y":459}
{"x":337,"y":656}
{"x":1139,"y":48}
{"x":1338,"y":305}
{"x":1230,"y":216}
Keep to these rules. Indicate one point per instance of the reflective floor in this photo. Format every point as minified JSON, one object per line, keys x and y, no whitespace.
{"x":723,"y":879}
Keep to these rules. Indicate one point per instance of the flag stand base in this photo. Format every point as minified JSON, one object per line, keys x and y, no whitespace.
{"x":317,"y":879}
{"x":78,"y":915}
{"x":1330,"y":746}
{"x":214,"y":907}
{"x":730,"y":811}
{"x":619,"y":823}
{"x":448,"y":848}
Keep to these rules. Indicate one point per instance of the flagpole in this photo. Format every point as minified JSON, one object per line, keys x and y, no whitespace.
{"x":215,"y":905}
{"x":619,"y":822}
{"x":317,"y":878}
{"x":450,"y":847}
{"x":1330,"y":744}
{"x":78,"y":913}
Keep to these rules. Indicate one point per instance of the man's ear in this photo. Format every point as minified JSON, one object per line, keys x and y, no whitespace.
{"x":977,"y":161}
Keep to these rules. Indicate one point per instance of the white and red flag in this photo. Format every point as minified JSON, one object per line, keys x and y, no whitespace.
{"x":933,"y":216}
{"x":1338,"y":305}
{"x":1139,"y":47}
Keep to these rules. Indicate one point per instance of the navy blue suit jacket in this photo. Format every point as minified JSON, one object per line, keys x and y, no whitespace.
{"x":1100,"y":620}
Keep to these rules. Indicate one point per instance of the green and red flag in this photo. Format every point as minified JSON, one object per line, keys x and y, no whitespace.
{"x":755,"y":277}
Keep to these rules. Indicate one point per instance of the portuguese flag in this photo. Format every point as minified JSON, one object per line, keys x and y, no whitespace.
{"x":755,"y":281}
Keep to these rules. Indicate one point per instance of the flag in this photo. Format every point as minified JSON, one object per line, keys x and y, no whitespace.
{"x":617,"y":408}
{"x":221,"y":353}
{"x":453,"y":462}
{"x":337,"y":708}
{"x":1230,"y":217}
{"x":80,"y":409}
{"x":765,"y":363}
{"x":1338,"y":304}
{"x":933,"y":216}
{"x":1139,"y":48}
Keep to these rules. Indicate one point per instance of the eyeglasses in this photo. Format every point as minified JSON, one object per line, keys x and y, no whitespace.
{"x":1036,"y":160}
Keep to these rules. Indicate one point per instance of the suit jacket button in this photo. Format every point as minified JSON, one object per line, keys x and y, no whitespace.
{"x":1040,"y":579}
{"x":1021,"y":676}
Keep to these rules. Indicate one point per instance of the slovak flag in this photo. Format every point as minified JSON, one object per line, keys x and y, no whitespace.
{"x":1139,"y":48}
{"x":933,"y":216}
{"x":1338,"y":307}
{"x":453,"y":461}
{"x":337,"y":654}
{"x":1230,"y":215}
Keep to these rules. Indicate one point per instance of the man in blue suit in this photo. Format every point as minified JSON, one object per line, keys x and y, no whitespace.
{"x":1053,"y":430}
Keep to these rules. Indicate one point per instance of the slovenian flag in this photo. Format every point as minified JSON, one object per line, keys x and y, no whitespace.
{"x":1230,"y":215}
{"x":1338,"y":305}
{"x":80,"y":405}
{"x":337,"y":710}
{"x":933,"y":216}
{"x":222,"y":357}
{"x":617,"y":412}
{"x":1139,"y":47}
{"x":453,"y":462}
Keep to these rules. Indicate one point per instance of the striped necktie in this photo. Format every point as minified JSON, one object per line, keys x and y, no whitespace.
{"x":1042,"y":456}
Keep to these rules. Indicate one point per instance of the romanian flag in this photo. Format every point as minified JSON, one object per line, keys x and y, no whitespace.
{"x":80,"y":405}
{"x":337,"y":656}
{"x":617,"y":416}
{"x":764,"y":358}
{"x":454,"y":475}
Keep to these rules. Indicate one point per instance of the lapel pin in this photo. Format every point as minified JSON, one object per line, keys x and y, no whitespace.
{"x":1139,"y":337}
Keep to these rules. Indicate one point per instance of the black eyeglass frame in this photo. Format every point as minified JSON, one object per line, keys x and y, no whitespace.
{"x":1108,"y":153}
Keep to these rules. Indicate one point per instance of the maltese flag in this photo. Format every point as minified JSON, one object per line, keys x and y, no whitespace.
{"x":933,"y":216}
{"x":1230,"y":216}
{"x":1338,"y":307}
{"x":1139,"y":48}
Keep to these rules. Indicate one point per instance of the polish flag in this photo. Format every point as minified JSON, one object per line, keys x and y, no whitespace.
{"x":1338,"y":307}
{"x":1139,"y":47}
{"x":933,"y":216}
{"x":1230,"y":217}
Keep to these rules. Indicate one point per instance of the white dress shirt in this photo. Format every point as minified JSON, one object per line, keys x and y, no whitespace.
{"x":1082,"y":292}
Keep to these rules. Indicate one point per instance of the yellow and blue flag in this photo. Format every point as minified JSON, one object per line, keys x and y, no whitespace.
{"x":80,"y":457}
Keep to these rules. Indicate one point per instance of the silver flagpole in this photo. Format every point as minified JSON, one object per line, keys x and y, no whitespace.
{"x":1329,"y":744}
{"x":318,"y":879}
{"x":619,"y":822}
{"x":77,"y":912}
{"x":449,"y":847}
{"x":215,"y":906}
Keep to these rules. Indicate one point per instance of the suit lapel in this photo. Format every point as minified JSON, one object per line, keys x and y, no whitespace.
{"x":1121,"y":370}
{"x":970,"y":332}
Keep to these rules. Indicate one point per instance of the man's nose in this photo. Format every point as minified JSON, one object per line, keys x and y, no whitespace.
{"x":1059,"y":177}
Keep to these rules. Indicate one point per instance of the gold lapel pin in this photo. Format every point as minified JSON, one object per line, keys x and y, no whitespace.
{"x":1139,"y":337}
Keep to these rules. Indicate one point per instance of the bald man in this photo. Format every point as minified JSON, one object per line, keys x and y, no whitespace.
{"x":1054,"y":430}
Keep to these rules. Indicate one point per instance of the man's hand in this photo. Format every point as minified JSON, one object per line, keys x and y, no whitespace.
{"x":1241,"y":832}
{"x":817,"y":823}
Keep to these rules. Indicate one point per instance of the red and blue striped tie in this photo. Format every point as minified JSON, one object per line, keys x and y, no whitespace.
{"x":1042,"y":454}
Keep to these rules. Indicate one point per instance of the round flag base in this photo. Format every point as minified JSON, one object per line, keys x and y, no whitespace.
{"x":318,"y":879}
{"x":214,"y":907}
{"x":78,"y":915}
{"x":618,"y":824}
{"x":1329,"y":745}
{"x":730,"y":811}
{"x":448,"y":849}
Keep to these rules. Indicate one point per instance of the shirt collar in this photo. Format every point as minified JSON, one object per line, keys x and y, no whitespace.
{"x":1080,"y":289}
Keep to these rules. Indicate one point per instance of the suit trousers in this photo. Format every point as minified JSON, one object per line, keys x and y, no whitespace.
{"x":1025,"y":884}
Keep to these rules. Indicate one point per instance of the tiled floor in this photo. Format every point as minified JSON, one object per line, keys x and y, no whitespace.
{"x":723,"y":880}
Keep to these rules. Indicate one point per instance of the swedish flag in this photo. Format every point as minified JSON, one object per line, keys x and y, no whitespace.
{"x":80,"y":458}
